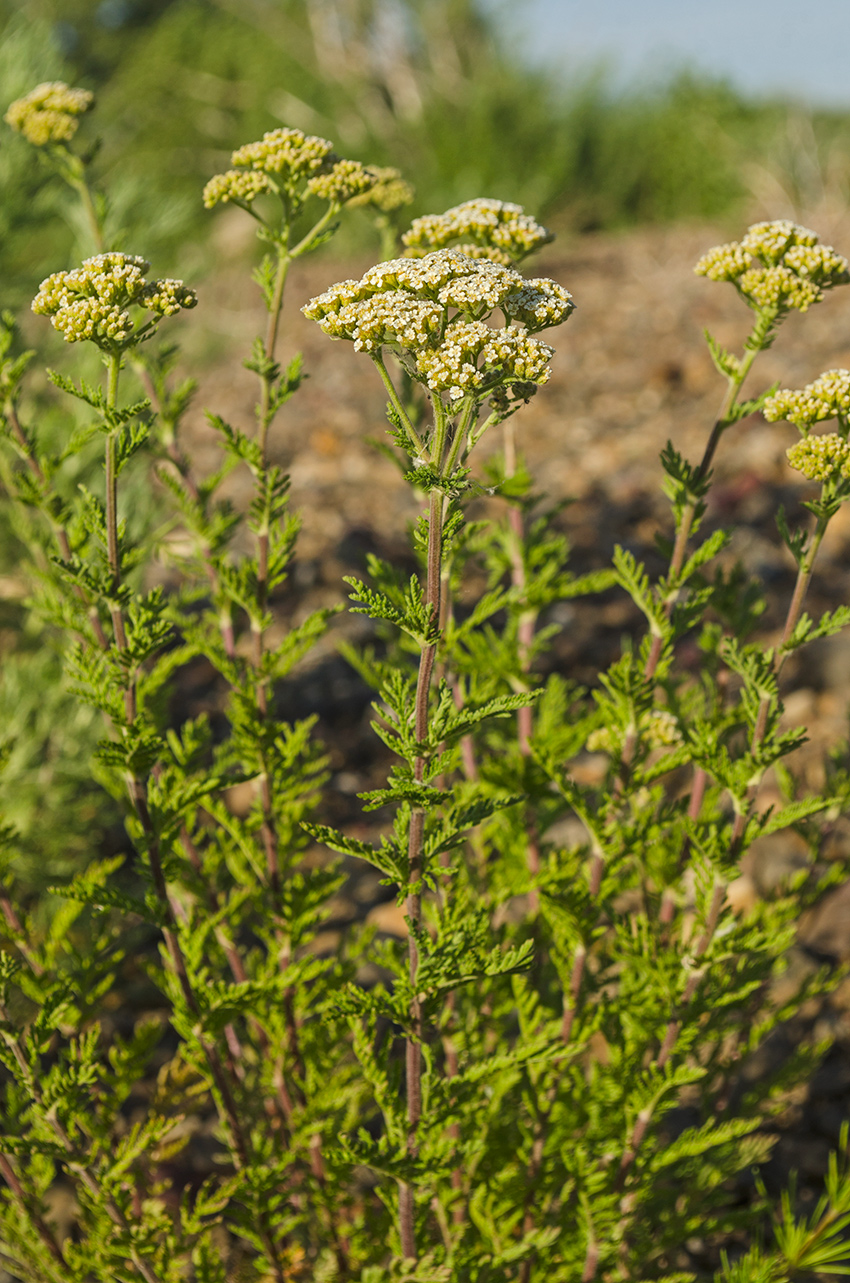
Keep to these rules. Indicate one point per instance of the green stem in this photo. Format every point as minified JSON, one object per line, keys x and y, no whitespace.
{"x":378,"y":358}
{"x":272,"y":327}
{"x":91,"y":215}
{"x":306,"y":243}
{"x":795,"y":609}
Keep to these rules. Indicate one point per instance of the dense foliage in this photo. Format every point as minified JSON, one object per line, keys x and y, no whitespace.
{"x":544,"y":1080}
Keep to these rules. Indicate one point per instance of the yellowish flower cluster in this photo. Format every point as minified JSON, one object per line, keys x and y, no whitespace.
{"x":659,"y":729}
{"x":406,"y":303}
{"x":287,"y":152}
{"x":49,"y":113}
{"x":347,"y":178}
{"x":389,"y":191}
{"x":286,"y":158}
{"x":820,"y":457}
{"x":778,"y":287}
{"x":91,"y":301}
{"x":828,"y":397}
{"x":166,"y":297}
{"x":792,"y":268}
{"x":497,"y":229}
{"x":239,"y":185}
{"x":769,"y":241}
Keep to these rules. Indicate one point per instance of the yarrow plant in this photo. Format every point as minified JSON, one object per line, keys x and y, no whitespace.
{"x":551,"y":1076}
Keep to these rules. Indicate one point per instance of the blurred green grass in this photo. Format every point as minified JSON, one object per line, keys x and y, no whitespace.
{"x":435,"y":87}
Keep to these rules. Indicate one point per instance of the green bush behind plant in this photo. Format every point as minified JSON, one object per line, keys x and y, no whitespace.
{"x":183,"y":81}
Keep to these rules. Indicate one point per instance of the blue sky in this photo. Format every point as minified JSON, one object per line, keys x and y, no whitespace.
{"x":800,"y":49}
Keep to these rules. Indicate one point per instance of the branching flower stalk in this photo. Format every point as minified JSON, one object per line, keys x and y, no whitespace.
{"x":824,"y":458}
{"x":429,"y":312}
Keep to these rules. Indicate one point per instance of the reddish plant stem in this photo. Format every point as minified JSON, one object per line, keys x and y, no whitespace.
{"x":41,"y":1227}
{"x":79,"y":1169}
{"x":413,"y":1052}
{"x":525,"y":643}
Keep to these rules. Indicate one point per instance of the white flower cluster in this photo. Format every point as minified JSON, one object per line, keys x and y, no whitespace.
{"x":792,"y":271}
{"x":453,"y":366}
{"x":407,"y":304}
{"x":820,"y":457}
{"x":828,"y":397}
{"x":495,"y":229}
{"x":389,"y":191}
{"x":49,"y":113}
{"x":347,"y":179}
{"x":539,"y":303}
{"x":392,"y":319}
{"x":239,"y":185}
{"x":91,"y":301}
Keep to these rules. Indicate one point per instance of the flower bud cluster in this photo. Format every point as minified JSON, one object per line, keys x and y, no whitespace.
{"x":658,"y":728}
{"x":91,"y":301}
{"x":777,"y":265}
{"x":239,"y":185}
{"x":388,"y":192}
{"x":347,"y":178}
{"x":287,"y":158}
{"x":432,"y":309}
{"x":820,"y":457}
{"x":289,"y":153}
{"x":49,"y":113}
{"x":495,"y":229}
{"x":828,"y":397}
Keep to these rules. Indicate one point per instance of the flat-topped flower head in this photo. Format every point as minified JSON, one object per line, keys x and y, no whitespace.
{"x":238,"y":185}
{"x":289,"y":154}
{"x":433,"y":311}
{"x":827,"y":397}
{"x":388,"y":192}
{"x":424,"y":276}
{"x":345,"y":180}
{"x":91,"y":301}
{"x":49,"y":113}
{"x":498,"y":229}
{"x":777,"y":266}
{"x":821,"y":457}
